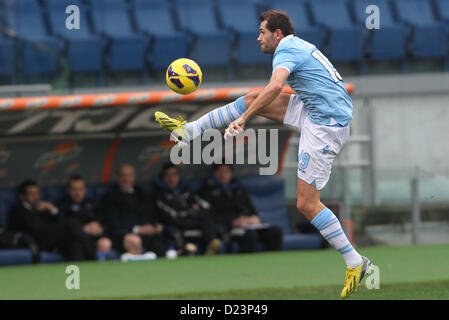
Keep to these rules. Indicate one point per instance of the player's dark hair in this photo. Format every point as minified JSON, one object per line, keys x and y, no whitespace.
{"x":23,"y":187}
{"x":74,"y":177}
{"x":165,"y":167}
{"x":277,"y":19}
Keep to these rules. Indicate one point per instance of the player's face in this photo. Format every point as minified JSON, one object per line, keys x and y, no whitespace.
{"x":171,"y":177}
{"x":268,"y":40}
{"x":77,"y":190}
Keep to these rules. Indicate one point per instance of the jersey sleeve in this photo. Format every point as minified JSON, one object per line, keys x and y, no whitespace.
{"x":288,"y":59}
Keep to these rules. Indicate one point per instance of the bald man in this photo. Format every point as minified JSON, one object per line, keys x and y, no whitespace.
{"x":129,"y":217}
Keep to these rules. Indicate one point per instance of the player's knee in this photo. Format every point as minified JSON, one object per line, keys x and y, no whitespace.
{"x":305,"y":207}
{"x":250,"y":97}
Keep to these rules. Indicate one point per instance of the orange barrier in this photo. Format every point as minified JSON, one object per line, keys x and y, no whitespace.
{"x":115,"y":99}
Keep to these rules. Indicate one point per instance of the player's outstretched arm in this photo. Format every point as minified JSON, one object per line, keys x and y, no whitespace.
{"x":267,"y":95}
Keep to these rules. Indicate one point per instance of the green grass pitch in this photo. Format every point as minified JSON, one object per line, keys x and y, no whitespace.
{"x":420,"y":272}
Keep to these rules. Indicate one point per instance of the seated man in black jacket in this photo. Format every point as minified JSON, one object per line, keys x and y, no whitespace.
{"x":130,"y":219}
{"x":42,"y":221}
{"x":232,"y":208}
{"x":75,"y":205}
{"x":180,"y":209}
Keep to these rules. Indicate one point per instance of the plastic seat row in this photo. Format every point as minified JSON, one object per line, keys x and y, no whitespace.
{"x":131,"y":35}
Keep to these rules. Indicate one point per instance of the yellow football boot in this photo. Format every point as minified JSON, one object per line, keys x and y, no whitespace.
{"x":172,"y":125}
{"x":354,"y":276}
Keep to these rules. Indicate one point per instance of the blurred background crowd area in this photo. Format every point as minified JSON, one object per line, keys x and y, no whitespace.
{"x":166,"y":217}
{"x":391,"y":181}
{"x":129,"y":42}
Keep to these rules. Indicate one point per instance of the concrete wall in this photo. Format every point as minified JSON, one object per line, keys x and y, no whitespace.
{"x":410,"y":117}
{"x":411,"y":120}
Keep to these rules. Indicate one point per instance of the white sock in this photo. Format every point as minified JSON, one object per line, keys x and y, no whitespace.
{"x":217,"y":118}
{"x":330,"y":228}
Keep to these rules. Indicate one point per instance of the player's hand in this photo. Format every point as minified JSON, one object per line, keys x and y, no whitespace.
{"x":93,"y":228}
{"x":159,"y":228}
{"x":240,"y":222}
{"x":45,"y":205}
{"x":254,"y":220}
{"x":235,"y":128}
{"x":147,"y":230}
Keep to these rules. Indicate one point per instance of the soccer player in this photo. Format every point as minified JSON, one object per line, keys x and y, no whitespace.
{"x":321,"y":110}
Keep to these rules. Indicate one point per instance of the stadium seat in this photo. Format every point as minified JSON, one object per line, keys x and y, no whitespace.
{"x":241,"y":17}
{"x":154,"y":18}
{"x":429,"y":36}
{"x":442,"y":9}
{"x":50,"y":257}
{"x":388,"y":42}
{"x":84,"y":50}
{"x":8,"y":198}
{"x":126,"y":50}
{"x":211,"y":45}
{"x":7,"y":56}
{"x":267,"y":194}
{"x":15,"y":257}
{"x":195,"y":184}
{"x":39,"y":51}
{"x":53,"y":193}
{"x":346,"y":40}
{"x":297,"y":11}
{"x":100,"y":190}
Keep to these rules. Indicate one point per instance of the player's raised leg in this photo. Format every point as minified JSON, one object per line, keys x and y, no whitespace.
{"x":221,"y":117}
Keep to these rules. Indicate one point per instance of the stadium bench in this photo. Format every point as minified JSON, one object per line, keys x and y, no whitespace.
{"x":345,"y":41}
{"x":210,"y":45}
{"x":10,"y":257}
{"x":8,"y":198}
{"x":268,"y":196}
{"x":50,"y":257}
{"x":154,"y":19}
{"x":15,"y":257}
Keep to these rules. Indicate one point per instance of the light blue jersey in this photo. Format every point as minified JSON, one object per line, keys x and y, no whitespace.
{"x":316,"y":81}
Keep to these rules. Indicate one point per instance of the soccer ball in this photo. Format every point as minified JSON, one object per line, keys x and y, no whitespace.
{"x":184,"y":76}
